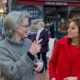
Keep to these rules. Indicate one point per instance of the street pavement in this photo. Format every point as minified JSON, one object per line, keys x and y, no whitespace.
{"x":43,"y":76}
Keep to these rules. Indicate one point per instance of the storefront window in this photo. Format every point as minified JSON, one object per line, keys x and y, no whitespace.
{"x":59,"y":16}
{"x":1,"y":20}
{"x":75,"y":12}
{"x":2,"y":15}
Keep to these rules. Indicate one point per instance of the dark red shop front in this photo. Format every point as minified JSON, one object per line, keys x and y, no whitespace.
{"x":58,"y":11}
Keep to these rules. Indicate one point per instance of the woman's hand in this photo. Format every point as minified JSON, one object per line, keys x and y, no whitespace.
{"x":35,"y":48}
{"x":53,"y":78}
{"x":70,"y":78}
{"x":39,"y":66}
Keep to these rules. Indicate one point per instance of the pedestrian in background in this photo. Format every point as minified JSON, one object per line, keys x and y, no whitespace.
{"x":65,"y":61}
{"x":52,"y":30}
{"x":42,"y":34}
{"x":17,"y":53}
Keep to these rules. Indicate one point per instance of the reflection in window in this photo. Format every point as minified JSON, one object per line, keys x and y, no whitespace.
{"x":1,"y":13}
{"x":1,"y":18}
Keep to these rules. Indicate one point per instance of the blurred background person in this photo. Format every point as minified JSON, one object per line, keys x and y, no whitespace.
{"x":42,"y":34}
{"x":52,"y":30}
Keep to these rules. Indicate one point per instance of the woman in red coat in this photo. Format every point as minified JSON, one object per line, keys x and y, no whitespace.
{"x":65,"y":61}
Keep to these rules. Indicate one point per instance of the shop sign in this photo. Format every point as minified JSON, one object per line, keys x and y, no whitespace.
{"x":52,"y":3}
{"x":34,"y":13}
{"x":57,"y":3}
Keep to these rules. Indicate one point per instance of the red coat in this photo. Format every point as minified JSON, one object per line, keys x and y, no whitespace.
{"x":65,"y":60}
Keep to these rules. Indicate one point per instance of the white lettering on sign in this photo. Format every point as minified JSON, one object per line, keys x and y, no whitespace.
{"x":34,"y":13}
{"x":56,"y":3}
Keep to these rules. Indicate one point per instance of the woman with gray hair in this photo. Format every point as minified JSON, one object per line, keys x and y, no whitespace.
{"x":17,"y":53}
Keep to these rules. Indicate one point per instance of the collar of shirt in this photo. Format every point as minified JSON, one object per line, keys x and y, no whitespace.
{"x":21,"y":42}
{"x":40,"y":30}
{"x":38,"y":34}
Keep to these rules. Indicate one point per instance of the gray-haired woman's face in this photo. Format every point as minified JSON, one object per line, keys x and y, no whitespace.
{"x":22,"y":30}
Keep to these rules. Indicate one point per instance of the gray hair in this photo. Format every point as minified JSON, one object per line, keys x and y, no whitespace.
{"x":41,"y":23}
{"x":13,"y":20}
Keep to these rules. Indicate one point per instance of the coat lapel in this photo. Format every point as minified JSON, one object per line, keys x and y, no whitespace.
{"x":41,"y":34}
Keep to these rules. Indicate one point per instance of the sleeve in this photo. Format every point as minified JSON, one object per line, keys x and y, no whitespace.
{"x":16,"y":69}
{"x":30,"y":56}
{"x":36,"y":60}
{"x":45,"y":38}
{"x":78,"y":77}
{"x":53,"y":61}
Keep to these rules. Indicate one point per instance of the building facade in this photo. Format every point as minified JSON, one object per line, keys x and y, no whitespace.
{"x":57,"y":11}
{"x":2,"y":11}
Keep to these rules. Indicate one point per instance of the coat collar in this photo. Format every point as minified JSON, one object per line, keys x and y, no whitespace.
{"x":63,"y":40}
{"x":42,"y":31}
